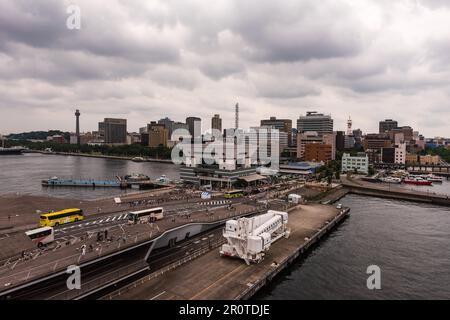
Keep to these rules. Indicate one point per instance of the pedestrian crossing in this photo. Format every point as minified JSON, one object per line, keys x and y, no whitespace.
{"x":99,"y":221}
{"x":215,"y":203}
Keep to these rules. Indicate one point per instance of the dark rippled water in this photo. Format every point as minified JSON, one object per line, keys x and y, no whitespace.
{"x":409,"y":242}
{"x":23,"y":173}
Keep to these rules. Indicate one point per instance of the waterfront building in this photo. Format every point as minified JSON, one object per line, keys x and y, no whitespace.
{"x":349,"y":142}
{"x":84,"y":138}
{"x":406,"y":134}
{"x":144,"y":139}
{"x":293,"y":142}
{"x":194,"y":126}
{"x":400,"y":153}
{"x":229,"y":165}
{"x":216,"y":123}
{"x":340,"y":140}
{"x":388,"y":155}
{"x":330,"y":138}
{"x":411,"y":159}
{"x":133,"y":138}
{"x":318,"y":152}
{"x":387,"y":125}
{"x":115,"y":131}
{"x":314,"y":121}
{"x":359,"y":162}
{"x":375,"y":141}
{"x":303,"y":168}
{"x":168,"y":124}
{"x":157,"y":134}
{"x":357,"y":135}
{"x":283,"y":125}
{"x":429,"y":160}
{"x":305,"y":138}
{"x":101,"y":131}
{"x":260,"y":138}
{"x":56,"y":139}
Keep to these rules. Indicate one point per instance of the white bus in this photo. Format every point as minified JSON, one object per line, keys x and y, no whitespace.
{"x":147,"y":215}
{"x":41,"y":236}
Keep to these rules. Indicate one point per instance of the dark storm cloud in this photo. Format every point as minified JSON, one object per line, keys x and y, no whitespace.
{"x":149,"y":59}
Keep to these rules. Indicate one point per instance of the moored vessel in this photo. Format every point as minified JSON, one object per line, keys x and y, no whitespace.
{"x":417,"y":181}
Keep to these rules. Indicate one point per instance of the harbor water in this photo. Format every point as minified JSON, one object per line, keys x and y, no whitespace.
{"x":409,"y":242}
{"x":23,"y":174}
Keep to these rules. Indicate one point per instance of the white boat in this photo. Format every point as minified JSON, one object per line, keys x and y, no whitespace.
{"x":434,"y":178}
{"x":391,"y":180}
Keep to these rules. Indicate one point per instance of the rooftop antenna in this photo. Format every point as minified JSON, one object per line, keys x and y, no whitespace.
{"x":236,"y":116}
{"x":349,"y":127}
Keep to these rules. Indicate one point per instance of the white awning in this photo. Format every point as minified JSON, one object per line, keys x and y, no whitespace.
{"x":252,"y":178}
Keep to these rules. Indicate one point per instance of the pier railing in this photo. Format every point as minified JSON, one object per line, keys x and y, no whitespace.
{"x":126,"y":241}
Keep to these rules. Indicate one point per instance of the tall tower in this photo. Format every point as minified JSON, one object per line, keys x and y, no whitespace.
{"x":349,"y":127}
{"x":77,"y":132}
{"x":236,"y":116}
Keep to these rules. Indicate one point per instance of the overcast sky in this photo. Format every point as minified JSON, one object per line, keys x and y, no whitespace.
{"x":143,"y":60}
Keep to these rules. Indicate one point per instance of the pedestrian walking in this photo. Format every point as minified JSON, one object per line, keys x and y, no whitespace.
{"x":83,"y":250}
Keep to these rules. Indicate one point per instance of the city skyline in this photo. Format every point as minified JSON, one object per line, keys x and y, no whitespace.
{"x":148,"y":60}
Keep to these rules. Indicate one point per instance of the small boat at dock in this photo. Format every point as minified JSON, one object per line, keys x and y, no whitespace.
{"x":418,"y":181}
{"x":391,"y":180}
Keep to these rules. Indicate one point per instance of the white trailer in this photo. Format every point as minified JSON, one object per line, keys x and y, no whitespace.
{"x":294,"y":198}
{"x":249,"y":238}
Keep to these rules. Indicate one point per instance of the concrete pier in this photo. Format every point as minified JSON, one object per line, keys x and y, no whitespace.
{"x":213,"y":277}
{"x":392,"y":192}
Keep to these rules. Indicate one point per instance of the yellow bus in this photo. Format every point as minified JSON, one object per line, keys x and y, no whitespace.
{"x":234,"y":194}
{"x":61,"y":217}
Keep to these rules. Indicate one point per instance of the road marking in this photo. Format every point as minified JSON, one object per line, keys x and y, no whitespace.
{"x":88,"y":223}
{"x":158,"y":295}
{"x":100,"y":221}
{"x":94,"y":222}
{"x":114,"y":218}
{"x":215,"y":282}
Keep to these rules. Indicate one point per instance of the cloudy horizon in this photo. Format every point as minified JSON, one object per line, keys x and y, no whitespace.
{"x":145,"y":60}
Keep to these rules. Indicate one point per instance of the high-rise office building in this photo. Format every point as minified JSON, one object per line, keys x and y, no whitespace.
{"x":340,"y":140}
{"x":387,"y":125}
{"x":115,"y":130}
{"x":318,"y":152}
{"x":305,"y":138}
{"x":157,"y":134}
{"x":283,"y":125}
{"x":101,"y":131}
{"x":168,"y":124}
{"x":314,"y":121}
{"x":216,"y":123}
{"x":194,"y":125}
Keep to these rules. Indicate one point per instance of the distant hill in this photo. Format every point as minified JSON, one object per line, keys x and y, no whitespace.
{"x":37,"y":135}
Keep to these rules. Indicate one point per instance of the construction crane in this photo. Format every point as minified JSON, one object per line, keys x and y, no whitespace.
{"x":250,"y":238}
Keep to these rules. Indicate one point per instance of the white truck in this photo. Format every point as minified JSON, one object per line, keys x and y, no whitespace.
{"x":250,"y":238}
